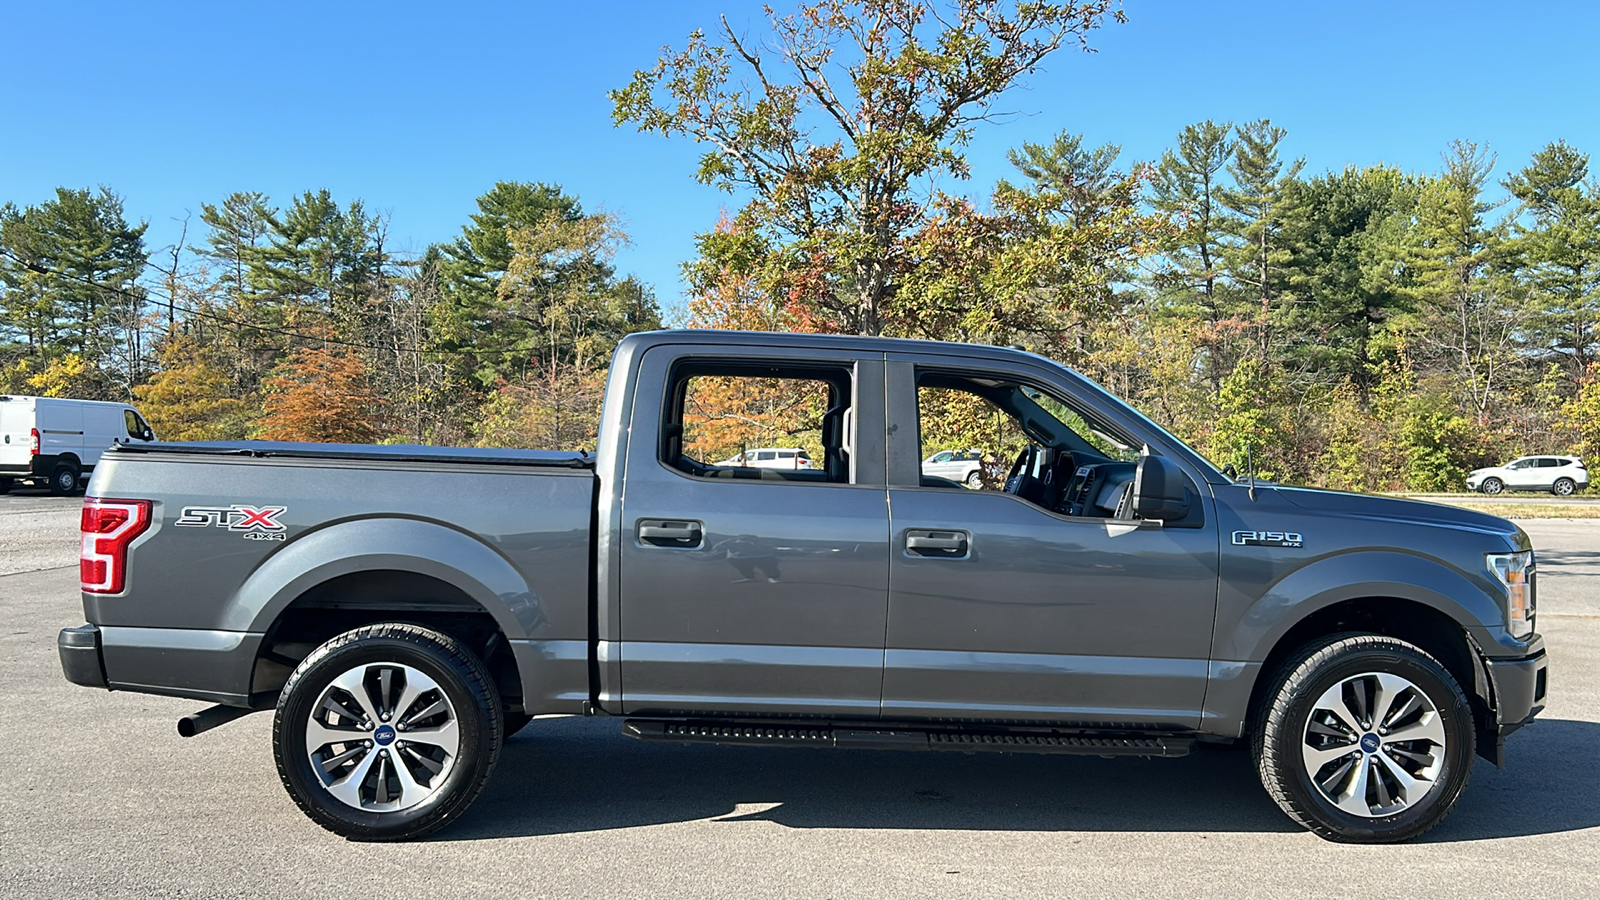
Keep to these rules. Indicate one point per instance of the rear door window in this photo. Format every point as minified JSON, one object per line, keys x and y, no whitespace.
{"x":718,"y":411}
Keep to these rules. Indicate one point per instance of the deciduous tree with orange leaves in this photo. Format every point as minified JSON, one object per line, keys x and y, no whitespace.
{"x":320,"y":394}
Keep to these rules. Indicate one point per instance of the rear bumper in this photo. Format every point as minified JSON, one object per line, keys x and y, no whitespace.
{"x":80,"y":656}
{"x":38,"y":467}
{"x":204,"y":665}
{"x":1520,"y":688}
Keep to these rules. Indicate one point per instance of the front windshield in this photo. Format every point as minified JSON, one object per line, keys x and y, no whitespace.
{"x":1098,"y":437}
{"x":1145,"y":421}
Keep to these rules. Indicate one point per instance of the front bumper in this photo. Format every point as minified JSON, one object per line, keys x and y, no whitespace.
{"x":1520,"y":687}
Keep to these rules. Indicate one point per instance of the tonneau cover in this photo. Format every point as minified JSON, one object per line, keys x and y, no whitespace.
{"x":575,"y":459}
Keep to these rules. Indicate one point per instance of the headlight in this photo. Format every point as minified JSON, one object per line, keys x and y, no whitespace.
{"x":1514,"y":571}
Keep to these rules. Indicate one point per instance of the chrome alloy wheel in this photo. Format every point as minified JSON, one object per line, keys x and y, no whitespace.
{"x":382,"y":737}
{"x":1374,"y":744}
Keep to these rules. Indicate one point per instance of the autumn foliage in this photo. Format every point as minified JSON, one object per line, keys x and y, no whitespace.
{"x":320,"y":394}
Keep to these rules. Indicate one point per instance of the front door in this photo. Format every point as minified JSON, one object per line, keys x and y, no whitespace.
{"x":1003,"y":607}
{"x":751,"y":589}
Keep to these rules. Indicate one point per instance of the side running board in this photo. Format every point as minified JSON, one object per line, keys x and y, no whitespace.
{"x":1084,"y":743}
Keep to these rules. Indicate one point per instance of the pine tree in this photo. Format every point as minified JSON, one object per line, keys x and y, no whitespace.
{"x":70,"y":279}
{"x":1258,"y":197}
{"x":1559,"y":245}
{"x":238,"y":228}
{"x":1467,"y":311}
{"x":1187,"y":188}
{"x":1347,"y":237}
{"x":1083,"y":177}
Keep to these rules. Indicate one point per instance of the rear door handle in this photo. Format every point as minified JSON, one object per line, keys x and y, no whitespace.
{"x":679,"y":533}
{"x":938,"y":544}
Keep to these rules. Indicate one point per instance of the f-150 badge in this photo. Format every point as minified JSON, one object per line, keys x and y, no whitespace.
{"x":1268,"y":539}
{"x":255,"y":523}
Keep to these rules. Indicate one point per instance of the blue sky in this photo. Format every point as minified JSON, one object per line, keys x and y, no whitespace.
{"x":419,"y":108}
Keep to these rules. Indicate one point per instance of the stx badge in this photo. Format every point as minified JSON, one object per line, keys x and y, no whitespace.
{"x":255,"y":523}
{"x":1268,"y":539}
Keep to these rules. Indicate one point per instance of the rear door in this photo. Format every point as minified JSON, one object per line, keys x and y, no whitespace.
{"x":16,"y":423}
{"x":1548,"y":469}
{"x":752,"y":589}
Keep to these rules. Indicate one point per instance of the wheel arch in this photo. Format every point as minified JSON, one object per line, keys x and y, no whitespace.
{"x":362,"y":572}
{"x":1420,"y":624}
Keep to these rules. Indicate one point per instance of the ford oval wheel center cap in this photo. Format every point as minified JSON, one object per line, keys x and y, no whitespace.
{"x":1369,"y":742}
{"x":385,"y":735}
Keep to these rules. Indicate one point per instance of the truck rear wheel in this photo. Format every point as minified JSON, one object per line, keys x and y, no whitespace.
{"x":387,"y":732}
{"x":5,"y":485}
{"x":1364,"y":739}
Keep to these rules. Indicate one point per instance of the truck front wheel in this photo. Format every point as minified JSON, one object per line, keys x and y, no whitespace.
{"x":1364,"y":739}
{"x":387,"y":732}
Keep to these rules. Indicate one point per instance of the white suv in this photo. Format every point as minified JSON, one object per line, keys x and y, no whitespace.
{"x":771,"y":458}
{"x":1560,"y":475}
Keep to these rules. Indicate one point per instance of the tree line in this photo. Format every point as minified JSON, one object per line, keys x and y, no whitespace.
{"x":1366,"y":328}
{"x":300,"y":322}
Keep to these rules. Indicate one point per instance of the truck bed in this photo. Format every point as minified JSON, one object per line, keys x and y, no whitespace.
{"x":505,"y":534}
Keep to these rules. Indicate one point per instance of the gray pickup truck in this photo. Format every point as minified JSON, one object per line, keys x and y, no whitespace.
{"x":405,"y":609}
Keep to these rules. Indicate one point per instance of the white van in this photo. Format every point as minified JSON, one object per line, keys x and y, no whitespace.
{"x":57,"y":442}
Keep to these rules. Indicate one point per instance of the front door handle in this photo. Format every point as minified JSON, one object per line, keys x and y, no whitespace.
{"x":938,"y":544}
{"x":683,"y":534}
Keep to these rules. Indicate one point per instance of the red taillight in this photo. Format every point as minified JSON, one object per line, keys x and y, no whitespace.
{"x":108,"y":527}
{"x":33,"y":441}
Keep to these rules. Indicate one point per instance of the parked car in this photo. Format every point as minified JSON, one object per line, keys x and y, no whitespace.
{"x":403,"y":609}
{"x":965,"y":466}
{"x":1560,"y":475}
{"x":771,"y":458}
{"x":57,"y":442}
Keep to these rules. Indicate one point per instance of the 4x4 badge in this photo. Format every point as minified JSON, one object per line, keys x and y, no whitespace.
{"x":1268,"y":539}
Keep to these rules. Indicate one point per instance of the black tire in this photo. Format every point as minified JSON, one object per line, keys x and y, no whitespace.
{"x":975,"y":479}
{"x":1492,"y":486}
{"x":64,"y":480}
{"x":1280,"y":736}
{"x":1564,"y":487}
{"x":5,"y":485}
{"x":465,"y":683}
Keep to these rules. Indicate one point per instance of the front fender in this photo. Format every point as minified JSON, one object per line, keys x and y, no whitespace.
{"x":386,"y":544}
{"x":1354,"y":576}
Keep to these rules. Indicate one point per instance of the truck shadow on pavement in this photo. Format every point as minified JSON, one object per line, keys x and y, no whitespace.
{"x":574,"y":775}
{"x":1563,"y":560}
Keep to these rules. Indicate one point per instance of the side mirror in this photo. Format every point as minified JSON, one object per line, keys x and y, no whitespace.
{"x":1160,"y":490}
{"x":147,"y":435}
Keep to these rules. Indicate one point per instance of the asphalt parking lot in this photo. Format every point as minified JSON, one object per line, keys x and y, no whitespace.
{"x":99,"y":797}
